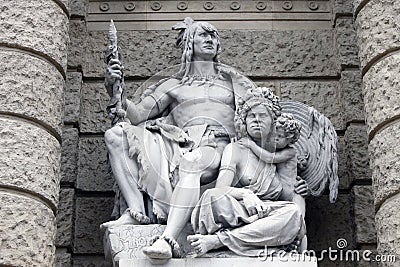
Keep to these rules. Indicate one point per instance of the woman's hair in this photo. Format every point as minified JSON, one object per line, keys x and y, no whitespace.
{"x":290,"y":126}
{"x":254,"y":97}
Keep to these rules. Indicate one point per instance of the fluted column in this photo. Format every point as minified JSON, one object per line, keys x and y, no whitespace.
{"x":378,"y":33}
{"x":33,"y":56}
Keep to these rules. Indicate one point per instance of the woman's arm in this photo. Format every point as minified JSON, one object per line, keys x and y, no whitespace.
{"x":227,"y":173}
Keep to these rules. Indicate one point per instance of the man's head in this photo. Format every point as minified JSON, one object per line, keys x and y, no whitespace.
{"x":287,"y":130}
{"x":199,"y":41}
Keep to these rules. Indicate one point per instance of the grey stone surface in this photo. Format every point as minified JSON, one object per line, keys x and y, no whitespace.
{"x":93,"y":117}
{"x":256,"y":53}
{"x":357,"y":158}
{"x":385,"y":162}
{"x":63,"y":259}
{"x":27,"y":230}
{"x":69,"y":155}
{"x":388,"y":225}
{"x":78,"y":8}
{"x":90,"y":212}
{"x":326,"y":222}
{"x":382,"y":91}
{"x":351,"y":97}
{"x":23,"y":24}
{"x":64,"y":218}
{"x":72,"y":97}
{"x":78,"y":35}
{"x":343,"y":7}
{"x":357,"y":4}
{"x":323,"y":96}
{"x":31,"y":159}
{"x":31,"y":87}
{"x":346,"y":42}
{"x":378,"y":24}
{"x":90,"y":261}
{"x":94,"y":172}
{"x":364,"y":214}
{"x":344,"y":179}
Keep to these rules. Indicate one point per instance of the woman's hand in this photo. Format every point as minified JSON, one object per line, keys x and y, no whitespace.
{"x":301,"y":187}
{"x":254,"y":205}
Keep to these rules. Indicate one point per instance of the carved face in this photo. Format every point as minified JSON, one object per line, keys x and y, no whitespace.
{"x":205,"y":45}
{"x":281,"y":139}
{"x":259,"y":122}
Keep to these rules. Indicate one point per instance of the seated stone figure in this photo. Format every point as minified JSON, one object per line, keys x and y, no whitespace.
{"x":243,"y":212}
{"x":175,"y":138}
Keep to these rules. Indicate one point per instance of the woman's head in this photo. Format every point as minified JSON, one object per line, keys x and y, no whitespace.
{"x":256,"y":113}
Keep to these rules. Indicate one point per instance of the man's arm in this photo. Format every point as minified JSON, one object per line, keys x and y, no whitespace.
{"x":151,"y":105}
{"x":266,"y":156}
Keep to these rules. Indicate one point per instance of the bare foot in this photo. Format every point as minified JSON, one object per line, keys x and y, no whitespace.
{"x":159,"y":250}
{"x":204,"y":243}
{"x":125,"y":219}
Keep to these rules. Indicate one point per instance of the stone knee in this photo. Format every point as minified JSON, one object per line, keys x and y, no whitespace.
{"x":200,"y":161}
{"x":114,"y":137}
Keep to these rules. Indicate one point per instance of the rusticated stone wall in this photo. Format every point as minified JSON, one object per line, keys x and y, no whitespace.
{"x":33,"y":56}
{"x":378,"y":27}
{"x":319,"y":67}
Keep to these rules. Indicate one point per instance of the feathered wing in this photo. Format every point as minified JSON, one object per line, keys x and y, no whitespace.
{"x":317,"y":147}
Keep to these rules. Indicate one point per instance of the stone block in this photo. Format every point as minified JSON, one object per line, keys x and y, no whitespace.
{"x":255,"y":53}
{"x":364,"y":214}
{"x":378,"y":24}
{"x":236,"y":262}
{"x":64,"y":218}
{"x":387,"y":226}
{"x":327,"y":222}
{"x":343,"y":7}
{"x":357,"y":158}
{"x":78,"y":8}
{"x":351,"y":96}
{"x":27,"y":230}
{"x":382,"y":91}
{"x":90,"y":261}
{"x":346,"y":42}
{"x":69,"y":155}
{"x":93,"y":117}
{"x":344,"y":179}
{"x":23,"y":25}
{"x":72,"y":97}
{"x":78,"y":35}
{"x":323,"y":96}
{"x":63,"y":259}
{"x":31,"y":159}
{"x":90,"y":212}
{"x":127,"y":241}
{"x":31,"y":87}
{"x":94,"y":172}
{"x":385,"y":164}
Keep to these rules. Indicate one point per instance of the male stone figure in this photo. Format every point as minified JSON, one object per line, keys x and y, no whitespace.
{"x":182,"y":150}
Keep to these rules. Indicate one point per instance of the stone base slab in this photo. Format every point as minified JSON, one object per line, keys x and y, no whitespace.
{"x":226,"y":262}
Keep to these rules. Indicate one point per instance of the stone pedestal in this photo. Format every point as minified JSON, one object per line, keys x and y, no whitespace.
{"x":226,"y":262}
{"x":123,"y":247}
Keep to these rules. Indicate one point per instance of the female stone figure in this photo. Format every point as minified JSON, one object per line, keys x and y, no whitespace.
{"x":242,"y":213}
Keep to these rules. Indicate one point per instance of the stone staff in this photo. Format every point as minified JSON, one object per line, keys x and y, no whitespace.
{"x":116,"y":90}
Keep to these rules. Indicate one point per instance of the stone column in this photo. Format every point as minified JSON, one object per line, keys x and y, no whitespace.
{"x":378,"y":34}
{"x":33,"y":49}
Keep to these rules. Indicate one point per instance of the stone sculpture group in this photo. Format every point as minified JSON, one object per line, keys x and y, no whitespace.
{"x":209,"y":147}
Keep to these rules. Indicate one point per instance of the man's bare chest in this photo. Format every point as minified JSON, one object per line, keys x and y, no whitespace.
{"x":198,"y":92}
